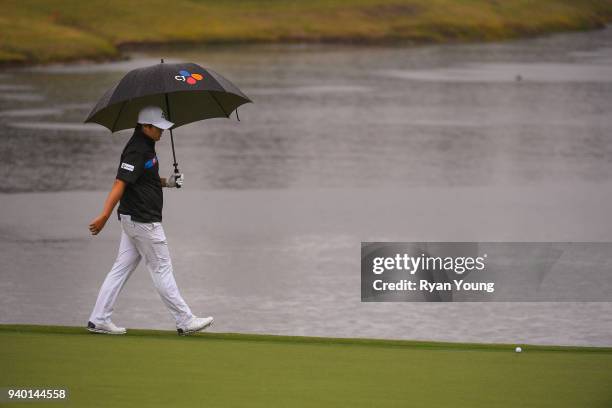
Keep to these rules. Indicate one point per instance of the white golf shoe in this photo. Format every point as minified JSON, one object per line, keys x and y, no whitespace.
{"x":105,"y":328}
{"x":195,"y":325}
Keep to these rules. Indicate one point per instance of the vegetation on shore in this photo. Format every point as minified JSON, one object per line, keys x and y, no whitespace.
{"x":37,"y":31}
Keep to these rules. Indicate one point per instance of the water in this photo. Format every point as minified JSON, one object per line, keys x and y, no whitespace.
{"x":502,"y":142}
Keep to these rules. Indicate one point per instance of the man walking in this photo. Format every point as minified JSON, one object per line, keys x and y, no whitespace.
{"x":138,"y":187}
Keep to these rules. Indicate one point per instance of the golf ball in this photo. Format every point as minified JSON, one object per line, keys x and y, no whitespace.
{"x":518,"y":349}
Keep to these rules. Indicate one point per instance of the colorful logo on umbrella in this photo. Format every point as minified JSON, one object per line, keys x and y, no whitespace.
{"x":188,"y":77}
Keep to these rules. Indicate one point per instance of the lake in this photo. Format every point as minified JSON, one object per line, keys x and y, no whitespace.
{"x":343,"y":144}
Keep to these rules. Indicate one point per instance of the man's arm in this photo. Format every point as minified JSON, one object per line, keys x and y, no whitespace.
{"x":109,"y":205}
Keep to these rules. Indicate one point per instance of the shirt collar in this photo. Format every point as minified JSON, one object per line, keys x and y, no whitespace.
{"x":138,"y":133}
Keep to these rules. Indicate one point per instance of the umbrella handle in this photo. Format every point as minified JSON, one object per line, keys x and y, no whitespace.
{"x":175,"y":164}
{"x":176,"y":171}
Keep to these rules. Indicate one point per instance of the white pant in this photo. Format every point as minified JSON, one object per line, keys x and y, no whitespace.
{"x":138,"y":241}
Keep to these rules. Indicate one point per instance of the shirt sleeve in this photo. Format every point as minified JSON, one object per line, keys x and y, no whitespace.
{"x":131,"y":166}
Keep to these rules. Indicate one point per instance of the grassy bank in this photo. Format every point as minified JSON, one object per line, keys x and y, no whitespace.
{"x":38,"y":31}
{"x":161,"y":369}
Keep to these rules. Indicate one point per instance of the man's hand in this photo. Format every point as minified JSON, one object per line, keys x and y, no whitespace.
{"x":175,"y":180}
{"x":111,"y":201}
{"x":97,"y":224}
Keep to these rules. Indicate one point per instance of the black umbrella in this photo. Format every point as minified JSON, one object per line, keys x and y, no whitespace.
{"x":186,"y":92}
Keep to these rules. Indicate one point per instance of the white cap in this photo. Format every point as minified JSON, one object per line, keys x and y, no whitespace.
{"x":154,"y":115}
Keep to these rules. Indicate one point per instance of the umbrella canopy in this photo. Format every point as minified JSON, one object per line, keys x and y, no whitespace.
{"x":185,"y":91}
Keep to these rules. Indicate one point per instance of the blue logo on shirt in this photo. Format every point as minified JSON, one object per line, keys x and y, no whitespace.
{"x":149,"y":164}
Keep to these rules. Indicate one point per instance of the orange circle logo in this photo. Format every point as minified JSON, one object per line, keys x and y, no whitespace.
{"x":186,"y":76}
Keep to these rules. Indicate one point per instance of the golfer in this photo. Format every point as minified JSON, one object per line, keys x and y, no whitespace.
{"x":139,"y":188}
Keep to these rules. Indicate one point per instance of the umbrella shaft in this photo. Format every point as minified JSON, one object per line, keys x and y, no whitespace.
{"x":171,"y":136}
{"x":175,"y":164}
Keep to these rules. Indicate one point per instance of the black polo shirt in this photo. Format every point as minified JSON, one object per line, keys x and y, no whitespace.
{"x":143,"y":198}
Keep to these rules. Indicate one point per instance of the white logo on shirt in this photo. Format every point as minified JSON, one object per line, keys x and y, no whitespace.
{"x":126,"y":166}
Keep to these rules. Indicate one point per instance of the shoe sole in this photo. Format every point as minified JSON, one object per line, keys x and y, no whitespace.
{"x":99,"y":331}
{"x":181,"y":332}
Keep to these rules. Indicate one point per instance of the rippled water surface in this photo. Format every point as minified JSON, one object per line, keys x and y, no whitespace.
{"x":505,"y":141}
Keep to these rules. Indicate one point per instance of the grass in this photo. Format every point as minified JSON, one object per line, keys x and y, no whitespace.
{"x":161,"y":369}
{"x":38,"y":31}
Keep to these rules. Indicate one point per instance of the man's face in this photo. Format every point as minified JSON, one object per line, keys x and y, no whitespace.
{"x":152,"y":131}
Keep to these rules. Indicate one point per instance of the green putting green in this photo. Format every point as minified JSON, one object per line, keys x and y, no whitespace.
{"x":160,"y":369}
